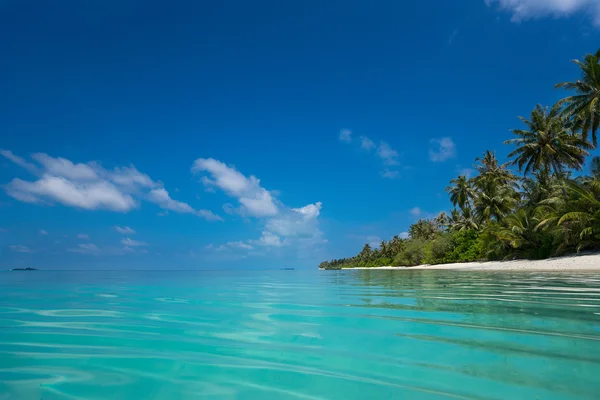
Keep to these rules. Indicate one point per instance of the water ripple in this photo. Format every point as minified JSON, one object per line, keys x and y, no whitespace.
{"x":299,"y":335}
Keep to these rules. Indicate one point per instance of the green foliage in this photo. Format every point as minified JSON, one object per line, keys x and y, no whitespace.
{"x":548,"y":144}
{"x":575,"y":218}
{"x":412,"y":254}
{"x":595,"y":169}
{"x":436,"y":250}
{"x":521,"y":237}
{"x":464,"y":219}
{"x":500,"y":216}
{"x":461,"y":192}
{"x":466,"y":247}
{"x":454,"y":247}
{"x":424,"y":229}
{"x":583,"y":108}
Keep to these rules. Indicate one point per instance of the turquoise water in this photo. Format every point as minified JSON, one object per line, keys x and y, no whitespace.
{"x":299,"y":335}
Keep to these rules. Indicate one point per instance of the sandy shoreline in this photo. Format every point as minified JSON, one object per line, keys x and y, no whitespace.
{"x":589,"y":262}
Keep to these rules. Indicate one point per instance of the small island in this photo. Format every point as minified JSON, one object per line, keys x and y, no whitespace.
{"x":549,"y":209}
{"x":24,"y":269}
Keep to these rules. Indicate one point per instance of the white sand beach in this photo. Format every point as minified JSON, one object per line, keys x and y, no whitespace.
{"x":587,"y":262}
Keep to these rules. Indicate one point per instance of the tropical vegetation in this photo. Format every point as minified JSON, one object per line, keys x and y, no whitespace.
{"x":547,"y":206}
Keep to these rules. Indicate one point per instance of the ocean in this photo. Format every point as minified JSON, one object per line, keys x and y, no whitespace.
{"x":299,"y":335}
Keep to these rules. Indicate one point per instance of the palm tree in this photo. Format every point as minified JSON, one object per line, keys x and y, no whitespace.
{"x":491,"y":171}
{"x":423,"y":229}
{"x":396,"y":245}
{"x":384,"y":249}
{"x":519,"y":231}
{"x":495,"y":189}
{"x":463,"y":220}
{"x":442,"y":221}
{"x":573,"y":221}
{"x":584,"y":107}
{"x":495,"y":202}
{"x":548,"y":143}
{"x":596,"y":167}
{"x":582,"y":212}
{"x":541,"y":185}
{"x":366,"y":253}
{"x":461,"y":191}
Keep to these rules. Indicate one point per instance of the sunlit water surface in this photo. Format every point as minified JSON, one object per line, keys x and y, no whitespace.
{"x":299,"y":335}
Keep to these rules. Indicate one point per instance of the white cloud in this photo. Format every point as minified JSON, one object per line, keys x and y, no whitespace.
{"x":19,"y":161}
{"x":162,"y":199}
{"x":261,"y":205}
{"x":65,"y":168}
{"x":130,"y":177}
{"x":89,"y":196}
{"x":254,"y":200}
{"x":441,"y":149}
{"x":270,"y":240}
{"x":292,"y":227}
{"x":346,"y":135}
{"x":132,"y":243}
{"x":20,"y":249}
{"x":124,"y":231}
{"x":230,"y":247}
{"x":208,"y":215}
{"x":387,"y":154}
{"x":86,"y":248}
{"x":92,"y":249}
{"x":296,"y":222}
{"x":43,"y":232}
{"x":384,"y":152}
{"x":90,"y":186}
{"x":416,"y":211}
{"x":530,"y":9}
{"x":309,"y":211}
{"x":82,"y":236}
{"x":281,"y":225}
{"x":390,"y":174}
{"x":366,"y":143}
{"x":404,"y":235}
{"x":240,"y":245}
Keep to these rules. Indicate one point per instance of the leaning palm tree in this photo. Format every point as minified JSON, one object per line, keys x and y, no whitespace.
{"x":582,"y":213}
{"x":548,"y":143}
{"x":573,"y":221}
{"x":519,"y":231}
{"x":584,"y":106}
{"x":461,"y":191}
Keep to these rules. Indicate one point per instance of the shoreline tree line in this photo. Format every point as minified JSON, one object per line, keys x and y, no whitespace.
{"x":550,"y":208}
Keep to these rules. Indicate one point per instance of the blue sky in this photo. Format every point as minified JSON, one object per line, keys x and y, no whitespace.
{"x":256,"y":134}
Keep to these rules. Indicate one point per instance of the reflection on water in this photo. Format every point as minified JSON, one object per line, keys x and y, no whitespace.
{"x":299,"y":335}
